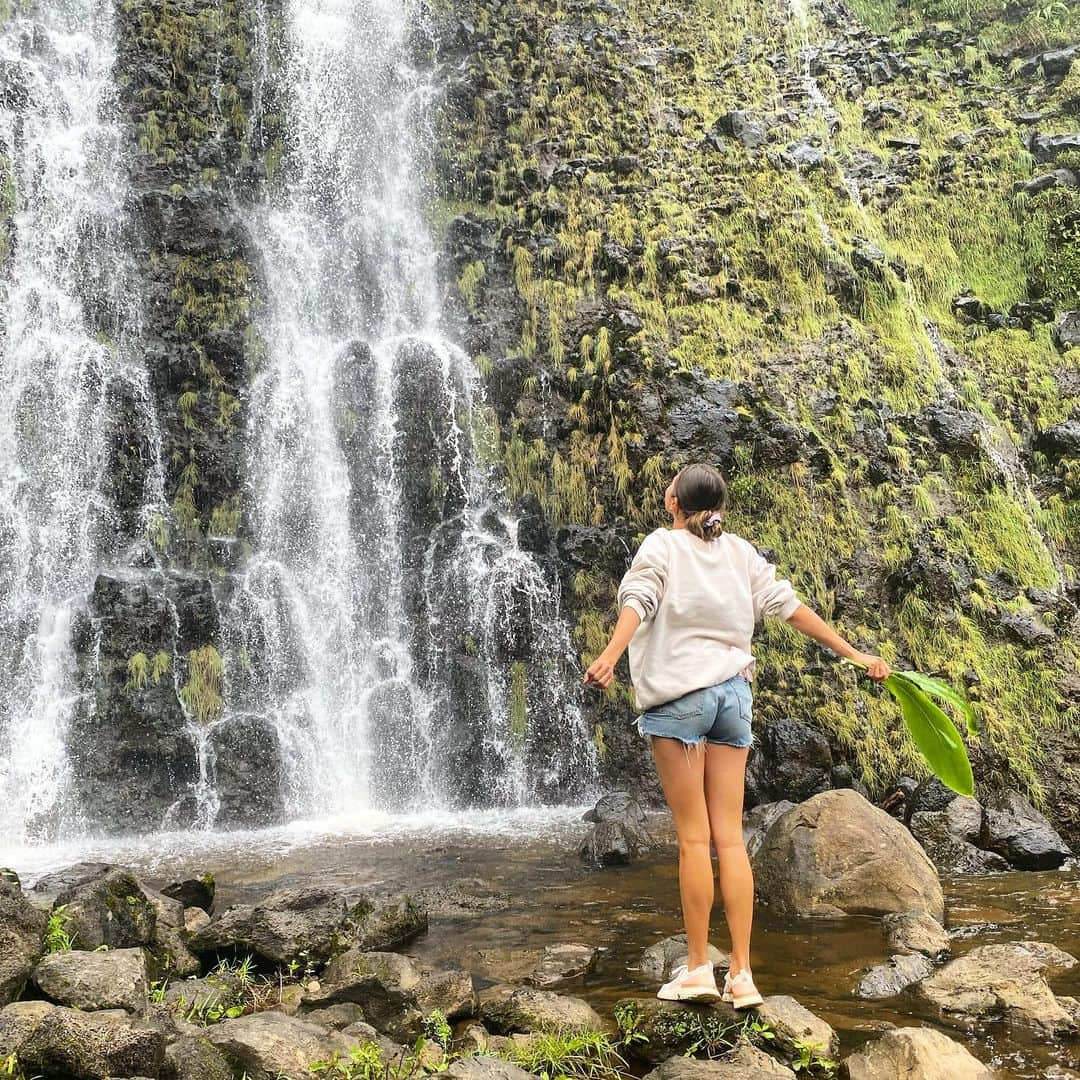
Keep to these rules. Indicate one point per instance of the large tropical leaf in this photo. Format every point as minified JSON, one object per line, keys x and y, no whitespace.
{"x":933,"y":733}
{"x":943,"y":692}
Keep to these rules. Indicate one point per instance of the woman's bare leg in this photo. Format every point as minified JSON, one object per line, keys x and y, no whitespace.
{"x":725,"y":772}
{"x":682,"y":773}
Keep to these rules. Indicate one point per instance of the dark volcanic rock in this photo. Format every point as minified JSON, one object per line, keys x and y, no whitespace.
{"x":1019,"y":833}
{"x":248,"y":772}
{"x":21,"y":927}
{"x":791,"y":760}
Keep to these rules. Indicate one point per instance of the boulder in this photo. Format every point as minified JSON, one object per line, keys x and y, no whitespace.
{"x":21,"y":927}
{"x":193,"y":1058}
{"x":55,"y":1042}
{"x":268,"y":1045}
{"x":836,"y":854}
{"x":507,"y":1009}
{"x":562,"y":962}
{"x":315,"y":922}
{"x":905,"y":1053}
{"x":791,"y":760}
{"x":90,"y":981}
{"x":613,"y":843}
{"x":915,"y":932}
{"x":687,"y":1068}
{"x":193,"y":892}
{"x":888,"y":980}
{"x":667,"y":1028}
{"x":483,"y":1067}
{"x":793,"y":1023}
{"x":743,"y":126}
{"x":659,"y":961}
{"x":758,"y":820}
{"x":108,"y":906}
{"x":169,"y":944}
{"x":948,"y":853}
{"x":616,"y":806}
{"x":754,"y":1060}
{"x":1003,"y":981}
{"x":1020,"y":834}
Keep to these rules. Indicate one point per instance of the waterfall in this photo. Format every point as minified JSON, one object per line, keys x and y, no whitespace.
{"x":70,"y":392}
{"x":388,"y":632}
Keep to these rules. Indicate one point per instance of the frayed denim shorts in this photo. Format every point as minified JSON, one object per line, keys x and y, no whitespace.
{"x":717,"y":714}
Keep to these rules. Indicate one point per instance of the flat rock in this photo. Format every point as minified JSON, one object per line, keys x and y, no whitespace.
{"x":59,"y":1042}
{"x":836,"y":854}
{"x":914,"y":932}
{"x":793,"y":1023}
{"x":685,"y":1068}
{"x":658,"y":961}
{"x":888,"y":980}
{"x":508,"y":1009}
{"x":909,"y":1053}
{"x":21,"y":927}
{"x":316,"y":922}
{"x":561,"y":962}
{"x":1003,"y":982}
{"x":90,"y":981}
{"x":268,"y":1045}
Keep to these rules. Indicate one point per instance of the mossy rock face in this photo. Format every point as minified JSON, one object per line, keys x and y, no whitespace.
{"x":111,"y":910}
{"x":800,"y":250}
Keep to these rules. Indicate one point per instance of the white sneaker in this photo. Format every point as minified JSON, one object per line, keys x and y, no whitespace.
{"x":740,"y":991}
{"x":677,"y":990}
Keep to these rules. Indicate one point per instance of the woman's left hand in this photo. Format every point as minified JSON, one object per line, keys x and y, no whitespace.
{"x":876,"y":668}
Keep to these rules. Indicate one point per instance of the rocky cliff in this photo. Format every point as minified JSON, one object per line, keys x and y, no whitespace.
{"x":834,"y":250}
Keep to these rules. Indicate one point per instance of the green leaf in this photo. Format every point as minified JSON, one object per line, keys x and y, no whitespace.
{"x":934,"y":734}
{"x":944,"y":692}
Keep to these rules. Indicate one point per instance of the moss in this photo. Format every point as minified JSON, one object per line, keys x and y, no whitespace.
{"x":201,"y":694}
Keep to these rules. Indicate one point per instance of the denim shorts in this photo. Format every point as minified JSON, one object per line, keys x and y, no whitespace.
{"x":717,"y":714}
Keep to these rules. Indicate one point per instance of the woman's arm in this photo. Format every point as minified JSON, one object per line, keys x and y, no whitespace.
{"x":602,"y":669}
{"x":813,"y":625}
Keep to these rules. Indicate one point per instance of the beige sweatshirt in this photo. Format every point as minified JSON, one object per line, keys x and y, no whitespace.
{"x":699,"y":601}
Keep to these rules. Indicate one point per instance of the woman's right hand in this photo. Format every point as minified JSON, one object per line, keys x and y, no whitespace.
{"x":600,"y":672}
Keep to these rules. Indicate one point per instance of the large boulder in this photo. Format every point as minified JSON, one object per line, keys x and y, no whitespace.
{"x":508,"y":1009}
{"x":915,"y":932}
{"x":1020,"y":834}
{"x":315,"y":923}
{"x":57,"y":1043}
{"x":269,"y":1045}
{"x":836,"y":854}
{"x":21,"y":927}
{"x":905,"y":1053}
{"x":618,"y":834}
{"x":192,"y":1058}
{"x":112,"y":979}
{"x":1003,"y":981}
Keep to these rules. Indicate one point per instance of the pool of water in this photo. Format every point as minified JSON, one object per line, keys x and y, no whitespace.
{"x":534,"y":892}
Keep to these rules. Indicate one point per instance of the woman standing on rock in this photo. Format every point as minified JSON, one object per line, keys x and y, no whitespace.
{"x":688,"y":607}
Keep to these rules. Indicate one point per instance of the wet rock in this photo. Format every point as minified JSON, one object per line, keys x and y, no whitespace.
{"x":193,"y":892}
{"x":1020,"y":834}
{"x":1055,"y":178}
{"x":836,"y":854}
{"x":915,"y":932}
{"x":915,"y":1052}
{"x":687,"y":1068}
{"x":1044,"y":148}
{"x":55,"y":1042}
{"x":955,"y":430}
{"x":562,"y":962}
{"x":268,"y":1045}
{"x":660,"y":960}
{"x":192,"y":1058}
{"x":1026,"y":629}
{"x":1003,"y":981}
{"x":616,"y":806}
{"x":671,"y":1028}
{"x":1059,"y":441}
{"x":948,"y":853}
{"x":791,"y":761}
{"x":115,"y":979}
{"x":743,"y":126}
{"x":1067,"y":330}
{"x":313,"y":922}
{"x":888,"y":980}
{"x":21,"y":927}
{"x":793,"y":1023}
{"x":618,"y":834}
{"x":248,"y":771}
{"x":111,"y":908}
{"x":483,"y":1067}
{"x":758,"y":820}
{"x":507,"y":1009}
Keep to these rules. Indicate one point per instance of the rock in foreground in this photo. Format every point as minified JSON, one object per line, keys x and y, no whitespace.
{"x":907,"y":1053}
{"x":836,"y":854}
{"x":115,"y":979}
{"x":21,"y":927}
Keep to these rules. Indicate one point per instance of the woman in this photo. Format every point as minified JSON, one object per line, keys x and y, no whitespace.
{"x":688,"y":606}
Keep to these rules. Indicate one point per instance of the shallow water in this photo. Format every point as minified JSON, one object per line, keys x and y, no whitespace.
{"x":538,"y":893}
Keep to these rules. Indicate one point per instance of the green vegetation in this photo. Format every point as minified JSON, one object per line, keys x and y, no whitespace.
{"x":201,"y":694}
{"x":236,"y":990}
{"x":56,"y":937}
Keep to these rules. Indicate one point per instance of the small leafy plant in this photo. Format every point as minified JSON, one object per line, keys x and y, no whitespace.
{"x":56,"y":937}
{"x":810,"y":1062}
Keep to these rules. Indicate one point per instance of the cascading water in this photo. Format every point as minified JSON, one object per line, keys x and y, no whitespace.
{"x":398,"y":644}
{"x":68,"y":386}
